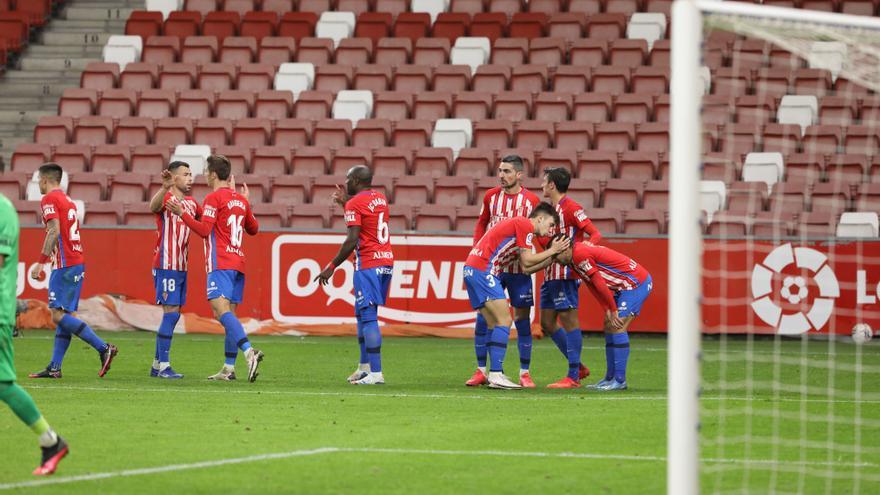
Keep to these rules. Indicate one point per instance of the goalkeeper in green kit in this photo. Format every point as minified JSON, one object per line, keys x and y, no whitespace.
{"x":53,"y":446}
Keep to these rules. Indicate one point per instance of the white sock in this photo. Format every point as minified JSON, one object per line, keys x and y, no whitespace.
{"x":162,"y":366}
{"x":523,"y":372}
{"x":482,"y":369}
{"x":155,"y":364}
{"x":377,"y":376}
{"x":364,"y":367}
{"x":228,"y":367}
{"x":49,"y":438}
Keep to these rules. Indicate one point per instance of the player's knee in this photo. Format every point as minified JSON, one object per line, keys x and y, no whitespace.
{"x":522,"y":313}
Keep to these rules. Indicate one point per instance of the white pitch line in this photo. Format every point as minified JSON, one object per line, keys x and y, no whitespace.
{"x":330,"y":450}
{"x":507,"y":395}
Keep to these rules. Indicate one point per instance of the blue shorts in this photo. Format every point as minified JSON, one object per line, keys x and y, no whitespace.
{"x":482,"y":287}
{"x":370,"y":291}
{"x":560,"y":295}
{"x":170,"y":287}
{"x":629,"y":302}
{"x":64,"y":287}
{"x":226,"y":283}
{"x":519,"y":289}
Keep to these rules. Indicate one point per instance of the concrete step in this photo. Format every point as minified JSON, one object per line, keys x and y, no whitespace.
{"x":77,"y":13}
{"x":81,"y":26}
{"x":105,"y":4}
{"x":72,"y":51}
{"x":23,"y":89}
{"x":22,"y":117}
{"x":66,"y":38}
{"x":54,"y":64}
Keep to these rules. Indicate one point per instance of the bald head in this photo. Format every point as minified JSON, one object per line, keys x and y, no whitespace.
{"x":359,"y":177}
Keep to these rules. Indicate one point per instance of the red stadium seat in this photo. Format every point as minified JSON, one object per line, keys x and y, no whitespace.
{"x":221,"y":24}
{"x":213,"y":132}
{"x":812,"y":82}
{"x":392,"y":105}
{"x":133,"y":131}
{"x":492,"y":25}
{"x":117,"y":103}
{"x":846,"y":169}
{"x":252,"y":132}
{"x":396,"y":52}
{"x":110,"y":158}
{"x":861,"y":139}
{"x":271,"y":161}
{"x":238,"y":50}
{"x":333,"y":78}
{"x":606,"y":26}
{"x":655,"y":196}
{"x":747,"y":197}
{"x":323,"y":188}
{"x":293,"y":133}
{"x":644,"y":222}
{"x":609,"y":79}
{"x":129,"y":187}
{"x":452,"y":78}
{"x":592,"y":107}
{"x":216,"y":77}
{"x":513,"y":105}
{"x":788,"y":197}
{"x":76,"y":102}
{"x":614,"y":137}
{"x":574,"y":135}
{"x":551,"y":158}
{"x":199,"y":50}
{"x":297,"y":25}
{"x":867,"y":197}
{"x":650,"y":81}
{"x":510,"y":51}
{"x":12,"y":185}
{"x":491,"y":78}
{"x":815,"y":224}
{"x":371,"y":133}
{"x":273,"y":105}
{"x":310,"y":161}
{"x":309,"y":217}
{"x":355,"y":6}
{"x":373,"y":78}
{"x":633,"y":108}
{"x":528,"y":25}
{"x":638,"y":165}
{"x":195,"y":103}
{"x":313,"y":105}
{"x":572,"y":79}
{"x":183,"y":24}
{"x":317,"y":6}
{"x":622,"y":194}
{"x":568,"y":25}
{"x":474,"y":106}
{"x":588,"y":52}
{"x":492,"y":134}
{"x":28,"y":157}
{"x":290,"y":190}
{"x":535,"y":134}
{"x":271,"y":216}
{"x":87,"y":186}
{"x":607,"y":220}
{"x":177,"y":77}
{"x":102,"y":213}
{"x":838,"y":110}
{"x":833,"y":197}
{"x":139,"y":76}
{"x":140,"y":23}
{"x":345,"y":158}
{"x":435,"y":219}
{"x":332,"y":133}
{"x":597,"y":165}
{"x":531,"y":78}
{"x":822,"y":139}
{"x":373,"y":25}
{"x":453,"y":191}
{"x":53,"y":130}
{"x":317,"y":51}
{"x":354,"y":51}
{"x":451,"y":25}
{"x":466,"y":6}
{"x":554,"y":107}
{"x":92,"y":130}
{"x":652,"y":137}
{"x":432,"y":106}
{"x":391,"y":162}
{"x":276,"y":50}
{"x":203,"y":6}
{"x":412,"y":25}
{"x":628,"y":53}
{"x":474,"y":163}
{"x":234,"y":104}
{"x":549,"y":52}
{"x":149,"y":158}
{"x":412,"y":79}
{"x":173,"y":131}
{"x":412,"y":134}
{"x":259,"y":24}
{"x":72,"y":157}
{"x":432,"y":162}
{"x":804,"y":168}
{"x":161,"y":50}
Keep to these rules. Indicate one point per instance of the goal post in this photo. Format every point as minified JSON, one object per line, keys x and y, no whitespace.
{"x":794,"y":30}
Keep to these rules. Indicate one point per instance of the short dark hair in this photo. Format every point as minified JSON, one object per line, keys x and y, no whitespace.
{"x":52,"y":171}
{"x":559,"y":176}
{"x":176,"y":165}
{"x":362,"y":174}
{"x":220,"y":165}
{"x":545,"y":208}
{"x":515,"y":160}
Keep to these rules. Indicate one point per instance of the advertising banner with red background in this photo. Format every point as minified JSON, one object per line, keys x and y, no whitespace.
{"x":427,"y":286}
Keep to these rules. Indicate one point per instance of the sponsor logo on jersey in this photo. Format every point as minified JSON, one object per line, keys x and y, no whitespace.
{"x":581,"y":215}
{"x":210,"y":211}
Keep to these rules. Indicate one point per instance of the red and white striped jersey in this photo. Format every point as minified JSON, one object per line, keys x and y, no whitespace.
{"x":574,"y":223}
{"x":501,"y":244}
{"x":619,"y":271}
{"x":172,"y":235}
{"x":499,"y":205}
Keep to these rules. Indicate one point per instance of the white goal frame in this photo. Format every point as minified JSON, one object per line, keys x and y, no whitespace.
{"x":685,"y":236}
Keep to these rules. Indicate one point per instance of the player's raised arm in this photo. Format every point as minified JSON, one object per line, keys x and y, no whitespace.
{"x":157,"y":202}
{"x":202,"y":227}
{"x":532,"y":262}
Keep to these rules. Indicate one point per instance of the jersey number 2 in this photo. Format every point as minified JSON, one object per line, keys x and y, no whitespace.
{"x":237,"y":232}
{"x":74,"y":225}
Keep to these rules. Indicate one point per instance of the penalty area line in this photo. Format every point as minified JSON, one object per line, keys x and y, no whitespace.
{"x":331,"y":450}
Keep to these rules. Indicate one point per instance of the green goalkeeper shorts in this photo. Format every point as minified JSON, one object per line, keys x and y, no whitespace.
{"x":7,"y":356}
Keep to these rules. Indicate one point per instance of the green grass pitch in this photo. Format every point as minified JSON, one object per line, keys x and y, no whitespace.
{"x":302,"y":429}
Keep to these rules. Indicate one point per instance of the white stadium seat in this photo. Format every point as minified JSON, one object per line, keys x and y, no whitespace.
{"x":473,"y":52}
{"x":859,"y":224}
{"x":713,"y":197}
{"x":828,"y":55}
{"x":353,"y":105}
{"x":123,"y":50}
{"x":335,"y":25}
{"x":646,"y":26}
{"x":164,"y":6}
{"x":33,"y":185}
{"x":706,"y":76}
{"x":798,"y":109}
{"x":433,"y":7}
{"x":452,"y":133}
{"x":763,"y":167}
{"x":194,"y":155}
{"x":295,"y":77}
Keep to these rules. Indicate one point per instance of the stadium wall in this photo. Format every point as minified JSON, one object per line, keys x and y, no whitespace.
{"x":428,"y":288}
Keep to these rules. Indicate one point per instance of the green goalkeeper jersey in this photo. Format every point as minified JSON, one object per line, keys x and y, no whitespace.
{"x":9,"y":270}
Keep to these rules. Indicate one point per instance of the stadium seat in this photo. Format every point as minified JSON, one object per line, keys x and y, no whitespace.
{"x":315,"y":51}
{"x":633,"y":108}
{"x":784,"y":138}
{"x":276,"y":50}
{"x":471,"y":51}
{"x":551,"y":158}
{"x":393,"y":106}
{"x":411,"y":134}
{"x":373,"y":25}
{"x":765,"y":167}
{"x":238,"y":50}
{"x":290,"y":190}
{"x":252,"y":132}
{"x":354,"y":51}
{"x":397,"y":52}
{"x":473,"y":106}
{"x":815,"y":224}
{"x":258,"y":25}
{"x":861,"y":140}
{"x":491,"y":25}
{"x":574,"y":135}
{"x":638,"y":165}
{"x":612,"y":136}
{"x":332,"y":133}
{"x":510,"y":51}
{"x":177,"y":77}
{"x":435,"y":219}
{"x":451,"y":78}
{"x":92,"y":130}
{"x":453,"y":191}
{"x":117,"y":103}
{"x":538,"y":135}
{"x":297,"y":25}
{"x":333,"y":78}
{"x":452,"y":133}
{"x":122,"y":50}
{"x":432,"y":105}
{"x":87,"y":186}
{"x":713,"y":197}
{"x":313,"y":105}
{"x":431,"y":162}
{"x":788,"y":198}
{"x":550,"y":52}
{"x":644,"y":222}
{"x":335,"y":25}
{"x":234,"y":104}
{"x":412,"y":25}
{"x":846,"y":168}
{"x":72,"y":157}
{"x":195,"y":155}
{"x":156,"y":103}
{"x":730,"y":224}
{"x":607,"y":220}
{"x":221,"y":24}
{"x":622,"y":194}
{"x":271,"y":161}
{"x":98,"y":213}
{"x":309,"y":217}
{"x":822,"y":139}
{"x":861,"y":224}
{"x":12,"y":184}
{"x":140,"y":76}
{"x":199,"y":50}
{"x":554,"y":107}
{"x":513,"y":105}
{"x":610,"y":79}
{"x":655,"y":196}
{"x":183,"y":24}
{"x":492,"y":134}
{"x":571,"y":79}
{"x":311,"y":161}
{"x":323,"y":188}
{"x":771,"y":224}
{"x":273,"y":105}
{"x":195,"y":103}
{"x":149,"y":158}
{"x":412,"y":191}
{"x":451,"y":26}
{"x":371,"y":133}
{"x":295,"y":77}
{"x":76,"y":102}
{"x":837,"y":110}
{"x":133,"y":131}
{"x":271,"y":216}
{"x":474,"y":163}
{"x":747,"y":197}
{"x":353,"y":105}
{"x":345,"y":158}
{"x":391,"y":162}
{"x":800,"y":110}
{"x":239,"y":157}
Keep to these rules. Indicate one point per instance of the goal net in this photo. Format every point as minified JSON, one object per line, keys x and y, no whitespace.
{"x":774,"y":250}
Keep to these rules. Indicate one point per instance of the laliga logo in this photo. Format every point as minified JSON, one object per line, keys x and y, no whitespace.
{"x":794,"y":289}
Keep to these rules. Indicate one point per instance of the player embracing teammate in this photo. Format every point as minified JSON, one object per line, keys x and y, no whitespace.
{"x":226,"y":216}
{"x":507,"y":200}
